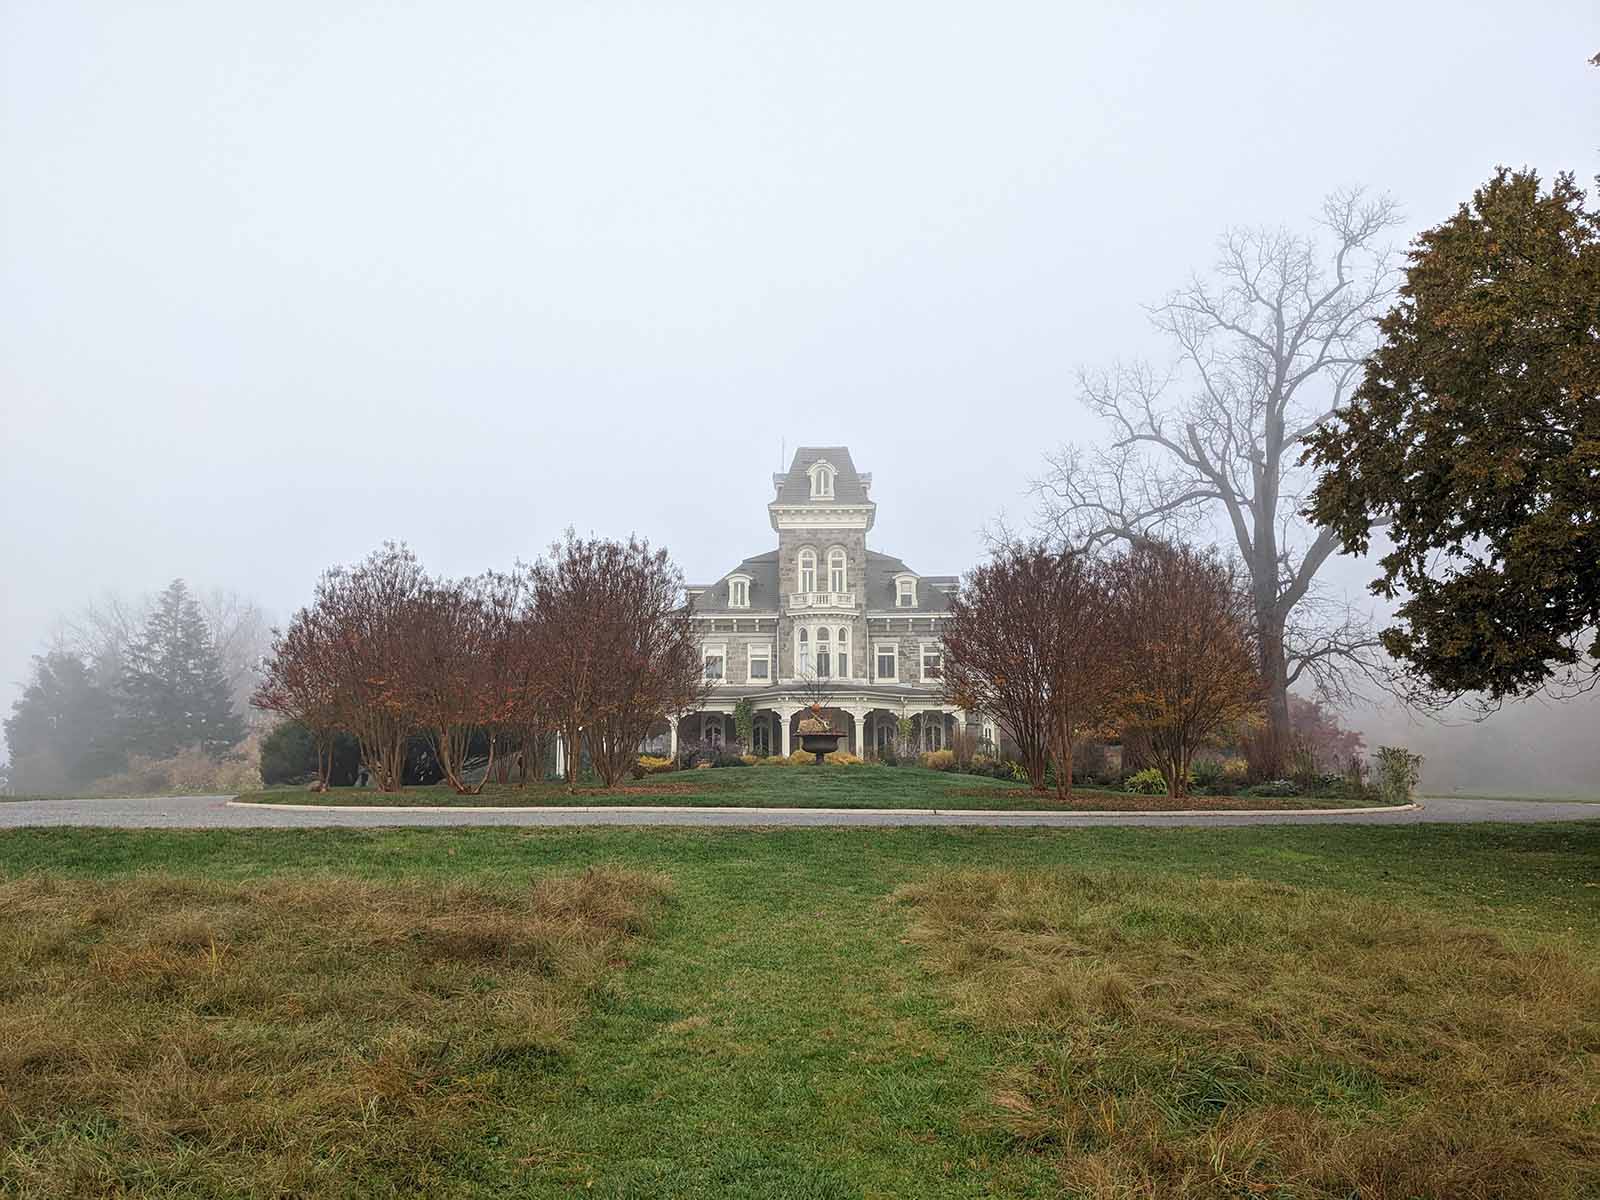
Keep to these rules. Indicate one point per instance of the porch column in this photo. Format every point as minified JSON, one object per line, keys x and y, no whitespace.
{"x":561,"y":757}
{"x":672,"y":737}
{"x":860,"y":715}
{"x":785,"y":715}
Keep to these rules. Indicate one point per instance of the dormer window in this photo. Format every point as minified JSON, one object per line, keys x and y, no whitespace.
{"x":821,"y":473}
{"x":738,"y":591}
{"x":905,"y":591}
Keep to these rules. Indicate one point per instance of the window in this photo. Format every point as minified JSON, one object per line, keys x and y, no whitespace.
{"x":760,"y":662}
{"x":932,"y":661}
{"x":887,"y":660}
{"x":821,"y":480}
{"x":711,"y":729}
{"x":843,"y":653}
{"x":836,"y":574}
{"x":738,"y":593}
{"x":823,"y":665}
{"x":761,"y":738}
{"x":803,"y":659}
{"x":808,"y":570}
{"x":933,"y":731}
{"x":905,"y":592}
{"x":716,"y":658}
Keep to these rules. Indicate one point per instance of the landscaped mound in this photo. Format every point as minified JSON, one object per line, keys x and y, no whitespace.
{"x":1210,"y":1039}
{"x":176,"y":1037}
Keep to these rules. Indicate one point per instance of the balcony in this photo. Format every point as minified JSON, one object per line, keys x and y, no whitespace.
{"x":821,"y":601}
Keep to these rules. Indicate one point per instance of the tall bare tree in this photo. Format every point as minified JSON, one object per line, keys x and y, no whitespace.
{"x":1266,"y":348}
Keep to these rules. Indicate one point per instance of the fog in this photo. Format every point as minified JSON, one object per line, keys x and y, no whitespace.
{"x":280,"y":282}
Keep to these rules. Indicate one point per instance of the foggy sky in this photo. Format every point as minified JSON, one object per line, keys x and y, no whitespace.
{"x":278,"y":282}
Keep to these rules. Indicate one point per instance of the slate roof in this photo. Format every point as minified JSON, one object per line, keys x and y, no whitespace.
{"x":763,"y":572}
{"x":849,"y":486}
{"x":880,"y":589}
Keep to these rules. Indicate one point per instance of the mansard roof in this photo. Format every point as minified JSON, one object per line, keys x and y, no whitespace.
{"x":849,"y":486}
{"x":882,"y":570}
{"x":763,"y":572}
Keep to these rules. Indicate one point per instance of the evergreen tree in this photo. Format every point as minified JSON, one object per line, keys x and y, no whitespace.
{"x":174,"y":687}
{"x":63,"y":730}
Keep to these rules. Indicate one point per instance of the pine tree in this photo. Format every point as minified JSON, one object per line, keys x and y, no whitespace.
{"x":174,"y":686}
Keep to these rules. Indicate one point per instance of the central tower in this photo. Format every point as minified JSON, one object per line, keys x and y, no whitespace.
{"x":822,"y":512}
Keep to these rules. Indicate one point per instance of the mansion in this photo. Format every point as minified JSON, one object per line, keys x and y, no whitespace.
{"x":822,"y":613}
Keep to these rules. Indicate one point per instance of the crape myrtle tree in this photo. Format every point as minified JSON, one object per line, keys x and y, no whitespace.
{"x":1188,"y":674}
{"x":455,"y":677}
{"x":174,"y":690}
{"x":1030,"y":640}
{"x":1474,"y":438}
{"x":299,"y":683}
{"x":368,"y":611}
{"x":1266,"y":349}
{"x":615,"y":647}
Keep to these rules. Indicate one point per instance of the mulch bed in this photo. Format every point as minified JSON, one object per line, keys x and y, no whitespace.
{"x":1133,"y":802}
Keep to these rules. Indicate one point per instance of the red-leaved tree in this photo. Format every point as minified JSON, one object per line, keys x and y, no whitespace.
{"x":1030,"y":640}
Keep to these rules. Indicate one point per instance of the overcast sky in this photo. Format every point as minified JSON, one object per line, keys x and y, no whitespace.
{"x":279,"y":281}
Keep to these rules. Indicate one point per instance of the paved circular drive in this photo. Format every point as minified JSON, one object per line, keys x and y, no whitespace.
{"x":215,"y":812}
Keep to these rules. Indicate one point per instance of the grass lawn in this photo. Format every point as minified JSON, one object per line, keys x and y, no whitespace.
{"x":808,"y":1013}
{"x":826,"y":786}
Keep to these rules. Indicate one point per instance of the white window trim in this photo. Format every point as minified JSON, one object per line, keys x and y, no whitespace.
{"x":893,"y":649}
{"x":800,"y":569}
{"x":822,"y":473}
{"x":844,"y":568}
{"x":733,"y":580}
{"x":937,"y":648}
{"x":712,"y":650}
{"x":751,"y":656}
{"x":900,"y":582}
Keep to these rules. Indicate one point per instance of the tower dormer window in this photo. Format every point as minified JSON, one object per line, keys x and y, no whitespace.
{"x":822,"y":480}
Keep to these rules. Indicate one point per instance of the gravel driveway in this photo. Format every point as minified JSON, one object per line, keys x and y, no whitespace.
{"x":215,"y":812}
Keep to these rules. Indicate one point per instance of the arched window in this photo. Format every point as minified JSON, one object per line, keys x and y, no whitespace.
{"x":836,"y":574}
{"x":738,"y":593}
{"x":808,"y":570}
{"x":822,"y":480}
{"x":824,"y":663}
{"x":843,"y":653}
{"x":805,"y":655}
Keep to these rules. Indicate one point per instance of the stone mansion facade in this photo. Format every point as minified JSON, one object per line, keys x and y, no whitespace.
{"x":822,"y":609}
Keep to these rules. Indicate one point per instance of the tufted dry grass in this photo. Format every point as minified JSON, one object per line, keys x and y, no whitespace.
{"x":1233,"y":1039}
{"x":170,"y":1036}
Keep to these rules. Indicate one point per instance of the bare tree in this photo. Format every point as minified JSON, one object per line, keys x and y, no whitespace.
{"x":368,"y":611}
{"x":453,"y":676}
{"x":1030,"y":640}
{"x":614,"y":646}
{"x":1267,"y":348}
{"x":298,"y":683}
{"x":1189,"y":671}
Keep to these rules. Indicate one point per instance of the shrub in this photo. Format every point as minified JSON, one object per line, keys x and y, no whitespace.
{"x":653,"y":765}
{"x":729,"y":759}
{"x":1274,"y":788}
{"x":801,"y":757}
{"x":776,"y":760}
{"x":939,"y":760}
{"x":1208,"y":773}
{"x":1148,"y":782}
{"x":888,"y":757}
{"x":189,"y":772}
{"x":843,"y":758}
{"x":1398,"y":771}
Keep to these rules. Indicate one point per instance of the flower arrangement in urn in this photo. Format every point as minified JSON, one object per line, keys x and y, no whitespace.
{"x":817,"y":736}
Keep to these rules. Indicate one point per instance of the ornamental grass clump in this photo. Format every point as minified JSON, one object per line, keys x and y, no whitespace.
{"x":1210,"y":1039}
{"x":167,"y":1036}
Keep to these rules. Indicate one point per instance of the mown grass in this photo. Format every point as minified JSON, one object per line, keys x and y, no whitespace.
{"x":826,"y":786}
{"x":780,"y":1032}
{"x":178,"y":1036}
{"x":1224,"y":1038}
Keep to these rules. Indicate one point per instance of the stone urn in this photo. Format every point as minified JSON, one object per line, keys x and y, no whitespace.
{"x":817,"y":736}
